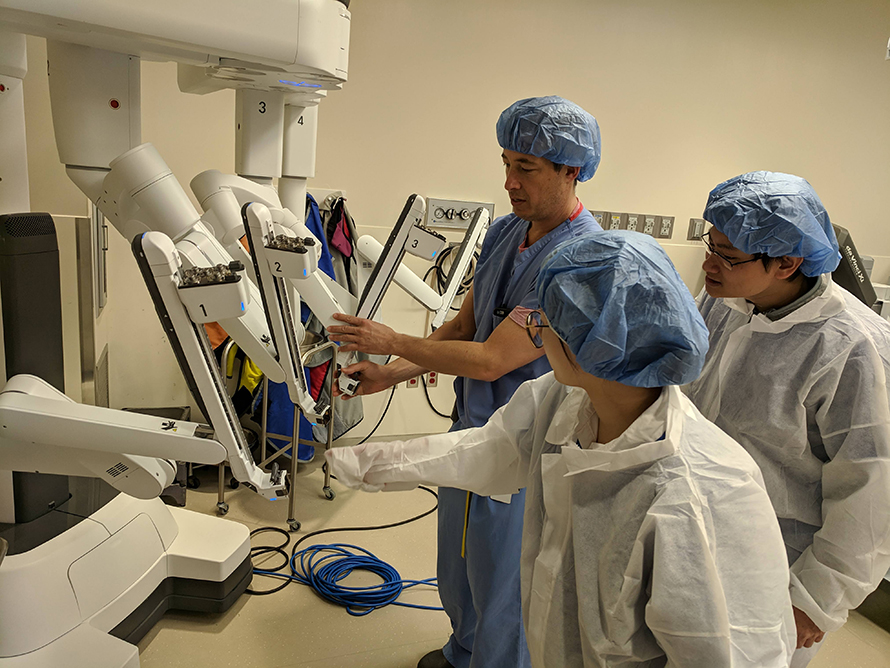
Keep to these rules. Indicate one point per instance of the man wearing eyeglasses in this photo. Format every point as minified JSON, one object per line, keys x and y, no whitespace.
{"x":549,"y":144}
{"x":797,"y":372}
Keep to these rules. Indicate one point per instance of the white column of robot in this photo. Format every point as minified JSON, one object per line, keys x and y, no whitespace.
{"x":298,"y":159}
{"x":259,"y":132}
{"x":96,"y":107}
{"x":14,"y":156}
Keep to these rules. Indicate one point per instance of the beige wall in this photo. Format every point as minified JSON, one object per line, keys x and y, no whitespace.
{"x":687,"y":94}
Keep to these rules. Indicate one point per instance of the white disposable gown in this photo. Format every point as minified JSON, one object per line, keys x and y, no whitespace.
{"x":659,"y":548}
{"x":807,"y":397}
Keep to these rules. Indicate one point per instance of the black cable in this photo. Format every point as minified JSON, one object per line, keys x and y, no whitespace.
{"x":264,"y":549}
{"x":372,"y":528}
{"x":281,"y":549}
{"x":371,"y":433}
{"x":430,"y":401}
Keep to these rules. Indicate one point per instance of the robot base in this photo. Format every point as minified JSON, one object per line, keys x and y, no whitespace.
{"x":81,"y":599}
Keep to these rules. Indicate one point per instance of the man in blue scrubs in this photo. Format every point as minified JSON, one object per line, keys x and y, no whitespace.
{"x":549,"y":144}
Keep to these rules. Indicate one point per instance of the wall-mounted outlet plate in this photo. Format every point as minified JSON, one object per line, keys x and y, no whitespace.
{"x":665,"y":227}
{"x":649,"y":225}
{"x":453,"y":213}
{"x":696,"y":229}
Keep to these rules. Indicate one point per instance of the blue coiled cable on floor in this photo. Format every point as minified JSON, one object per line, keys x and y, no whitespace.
{"x":324,"y":567}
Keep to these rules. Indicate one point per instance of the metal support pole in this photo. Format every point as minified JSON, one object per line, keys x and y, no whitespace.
{"x":265,"y":418}
{"x":292,"y":523}
{"x":221,"y":506}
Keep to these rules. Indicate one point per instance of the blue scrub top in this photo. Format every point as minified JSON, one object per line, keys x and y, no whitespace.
{"x":505,"y":279}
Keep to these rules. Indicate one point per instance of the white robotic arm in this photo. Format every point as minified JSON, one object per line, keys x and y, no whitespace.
{"x":278,"y":257}
{"x":183,"y":296}
{"x":371,"y":249}
{"x":44,"y":431}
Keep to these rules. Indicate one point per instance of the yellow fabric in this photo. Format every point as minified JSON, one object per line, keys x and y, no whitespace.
{"x":250,"y":372}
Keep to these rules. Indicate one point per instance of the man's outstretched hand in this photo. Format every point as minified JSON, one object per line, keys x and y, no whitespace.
{"x":364,"y":336}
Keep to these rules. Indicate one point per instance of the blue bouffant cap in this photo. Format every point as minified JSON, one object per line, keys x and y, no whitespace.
{"x":617,"y":301}
{"x":552,"y":128}
{"x":776,"y":214}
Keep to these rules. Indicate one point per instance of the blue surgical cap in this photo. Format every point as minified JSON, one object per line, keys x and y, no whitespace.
{"x":552,"y":128}
{"x":617,"y":301}
{"x":776,"y":214}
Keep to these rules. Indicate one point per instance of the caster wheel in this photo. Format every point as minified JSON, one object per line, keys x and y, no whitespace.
{"x":329,"y":494}
{"x":233,"y":483}
{"x":192,"y":482}
{"x":293,"y":526}
{"x":222,"y":508}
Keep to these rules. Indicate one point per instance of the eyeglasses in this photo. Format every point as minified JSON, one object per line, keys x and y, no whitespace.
{"x":534,"y":324}
{"x":710,"y":250}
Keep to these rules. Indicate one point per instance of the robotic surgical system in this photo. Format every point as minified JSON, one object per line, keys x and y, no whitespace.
{"x":83,"y":597}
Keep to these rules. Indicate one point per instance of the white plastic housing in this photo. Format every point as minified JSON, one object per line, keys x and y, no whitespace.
{"x":59,"y":600}
{"x":14,"y":195}
{"x":424,"y":243}
{"x":95,"y":98}
{"x":291,"y":264}
{"x":253,"y":43}
{"x":213,"y":303}
{"x":300,"y":142}
{"x":141,"y":174}
{"x":259,"y":132}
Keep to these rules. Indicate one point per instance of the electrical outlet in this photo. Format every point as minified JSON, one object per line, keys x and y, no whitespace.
{"x":600,"y":217}
{"x":615,"y":221}
{"x":633,"y":220}
{"x":696,"y":229}
{"x":649,"y":225}
{"x":413,"y":382}
{"x":666,"y":227}
{"x":432,"y":379}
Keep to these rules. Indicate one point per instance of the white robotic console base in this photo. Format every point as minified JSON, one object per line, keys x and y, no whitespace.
{"x":81,"y":599}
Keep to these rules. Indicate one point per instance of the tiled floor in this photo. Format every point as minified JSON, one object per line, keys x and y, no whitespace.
{"x":295,"y":629}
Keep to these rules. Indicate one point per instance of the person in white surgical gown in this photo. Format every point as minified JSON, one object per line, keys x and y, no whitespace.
{"x":649,"y":539}
{"x":797,"y":373}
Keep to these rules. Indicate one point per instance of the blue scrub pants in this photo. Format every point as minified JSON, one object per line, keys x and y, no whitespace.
{"x":480,"y":591}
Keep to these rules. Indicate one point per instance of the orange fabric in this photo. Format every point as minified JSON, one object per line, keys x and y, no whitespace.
{"x":215,"y":333}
